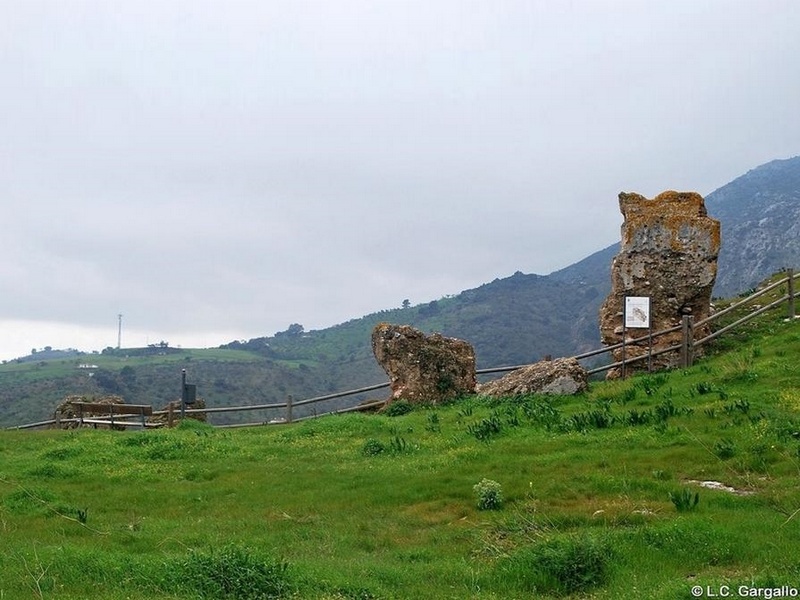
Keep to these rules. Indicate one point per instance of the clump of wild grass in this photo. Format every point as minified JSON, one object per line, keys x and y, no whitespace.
{"x":373,"y":447}
{"x":398,"y":408}
{"x":489,"y":493}
{"x":485,"y":429}
{"x":559,"y":566}
{"x":724,"y":449}
{"x":684,"y":500}
{"x":432,"y":423}
{"x":233,"y":572}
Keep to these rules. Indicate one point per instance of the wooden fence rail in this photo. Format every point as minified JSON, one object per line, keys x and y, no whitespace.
{"x":686,"y":350}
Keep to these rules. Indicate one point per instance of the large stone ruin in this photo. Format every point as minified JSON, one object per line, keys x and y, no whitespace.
{"x":66,"y":410}
{"x":669,"y":253}
{"x":563,"y":376}
{"x":424,"y":368}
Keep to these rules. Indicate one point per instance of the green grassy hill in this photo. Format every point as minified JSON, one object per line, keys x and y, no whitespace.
{"x":509,"y":321}
{"x":596,"y":496}
{"x":30,"y":391}
{"x":504,"y":320}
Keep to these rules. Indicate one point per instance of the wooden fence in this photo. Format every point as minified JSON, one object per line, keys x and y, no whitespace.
{"x":686,"y":349}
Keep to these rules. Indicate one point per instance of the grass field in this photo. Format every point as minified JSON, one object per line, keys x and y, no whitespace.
{"x":596,"y":496}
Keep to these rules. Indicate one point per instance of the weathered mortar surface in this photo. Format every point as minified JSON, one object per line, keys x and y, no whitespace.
{"x":563,"y":376}
{"x":677,"y":221}
{"x":66,"y":409}
{"x":424,"y":368}
{"x":669,"y":252}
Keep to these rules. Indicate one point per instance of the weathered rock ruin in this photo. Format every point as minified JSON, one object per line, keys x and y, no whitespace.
{"x":564,"y":376}
{"x":66,"y":411}
{"x":669,"y":253}
{"x":424,"y":368}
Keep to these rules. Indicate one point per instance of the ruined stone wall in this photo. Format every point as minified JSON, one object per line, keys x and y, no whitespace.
{"x":669,"y":252}
{"x":424,"y":368}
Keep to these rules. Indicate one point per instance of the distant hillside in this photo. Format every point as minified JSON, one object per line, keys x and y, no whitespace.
{"x":514,"y":320}
{"x":759,"y":214}
{"x":511,"y":320}
{"x":48,"y":353}
{"x":521,"y":318}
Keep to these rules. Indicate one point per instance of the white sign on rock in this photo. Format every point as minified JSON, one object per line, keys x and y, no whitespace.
{"x":637,"y":312}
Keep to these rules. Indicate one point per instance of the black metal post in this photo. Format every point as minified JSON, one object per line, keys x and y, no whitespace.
{"x":183,"y":393}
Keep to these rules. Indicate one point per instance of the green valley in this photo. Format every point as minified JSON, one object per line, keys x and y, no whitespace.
{"x":599,"y":496}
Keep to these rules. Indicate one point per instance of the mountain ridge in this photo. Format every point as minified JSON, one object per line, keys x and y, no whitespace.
{"x":510,"y":321}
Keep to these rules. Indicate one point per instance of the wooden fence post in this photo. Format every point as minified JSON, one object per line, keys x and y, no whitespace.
{"x":790,"y":273}
{"x":289,"y":409}
{"x":687,"y":341}
{"x":624,"y":335}
{"x":170,"y":415}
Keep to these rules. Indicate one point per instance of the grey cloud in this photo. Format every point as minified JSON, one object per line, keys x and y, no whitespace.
{"x":210,"y":167}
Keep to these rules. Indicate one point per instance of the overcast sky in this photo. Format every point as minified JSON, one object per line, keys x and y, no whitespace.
{"x":217,"y":170}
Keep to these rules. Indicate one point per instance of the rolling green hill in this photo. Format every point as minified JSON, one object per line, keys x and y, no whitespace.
{"x":600,"y":496}
{"x":307,"y":364}
{"x":510,"y":321}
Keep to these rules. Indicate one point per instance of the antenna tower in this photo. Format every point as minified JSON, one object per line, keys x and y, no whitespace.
{"x":119,"y":331}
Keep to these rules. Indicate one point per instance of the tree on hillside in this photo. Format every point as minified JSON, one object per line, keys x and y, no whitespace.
{"x":128,"y":375}
{"x":107,"y":381}
{"x":293,"y":331}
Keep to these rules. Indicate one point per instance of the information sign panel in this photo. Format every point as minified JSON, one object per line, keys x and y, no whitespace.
{"x":637,"y":312}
